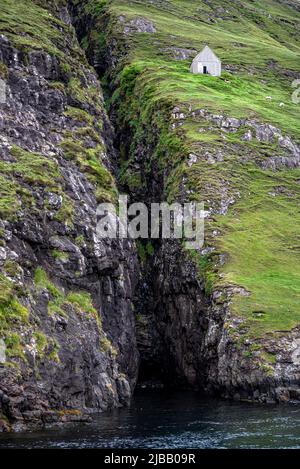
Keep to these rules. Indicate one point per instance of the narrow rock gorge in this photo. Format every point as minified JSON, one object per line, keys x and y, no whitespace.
{"x":96,"y":105}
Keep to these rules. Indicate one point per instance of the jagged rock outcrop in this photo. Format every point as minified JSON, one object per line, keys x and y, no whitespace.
{"x":69,"y":301}
{"x":137,"y":25}
{"x":187,"y":330}
{"x":68,"y":343}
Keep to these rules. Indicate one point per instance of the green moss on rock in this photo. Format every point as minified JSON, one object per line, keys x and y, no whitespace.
{"x":3,"y":71}
{"x":41,"y":342}
{"x":89,"y":161}
{"x":32,"y":168}
{"x":9,"y":201}
{"x":13,"y":315}
{"x":60,"y":255}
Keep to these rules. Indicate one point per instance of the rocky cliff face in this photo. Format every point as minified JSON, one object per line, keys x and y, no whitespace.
{"x":196,"y":326}
{"x":66,"y":321}
{"x":75,"y":309}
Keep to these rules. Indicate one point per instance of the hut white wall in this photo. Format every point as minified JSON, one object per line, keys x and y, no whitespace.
{"x":199,"y":67}
{"x":213,"y":68}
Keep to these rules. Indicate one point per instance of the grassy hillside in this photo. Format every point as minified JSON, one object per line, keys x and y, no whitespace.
{"x":258,"y":42}
{"x":259,"y":39}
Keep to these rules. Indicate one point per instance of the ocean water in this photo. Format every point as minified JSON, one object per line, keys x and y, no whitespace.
{"x":160,"y":419}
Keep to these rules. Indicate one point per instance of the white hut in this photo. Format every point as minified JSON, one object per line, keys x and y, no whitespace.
{"x":206,"y":62}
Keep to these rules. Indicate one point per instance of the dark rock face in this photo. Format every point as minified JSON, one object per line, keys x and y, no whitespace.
{"x":187,"y":336}
{"x":137,"y":25}
{"x":68,"y":339}
{"x":73,"y":349}
{"x":173,"y":320}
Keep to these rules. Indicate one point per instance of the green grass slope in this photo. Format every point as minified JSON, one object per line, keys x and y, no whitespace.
{"x":259,"y":38}
{"x":259,"y":44}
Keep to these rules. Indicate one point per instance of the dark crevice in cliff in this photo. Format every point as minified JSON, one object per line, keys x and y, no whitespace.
{"x":83,"y":304}
{"x":170,"y":306}
{"x":150,"y":369}
{"x":179,"y":325}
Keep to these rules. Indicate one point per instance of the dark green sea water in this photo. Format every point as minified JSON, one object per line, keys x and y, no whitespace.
{"x":159,"y":419}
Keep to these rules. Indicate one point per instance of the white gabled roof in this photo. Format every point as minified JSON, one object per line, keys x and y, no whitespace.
{"x":207,"y":55}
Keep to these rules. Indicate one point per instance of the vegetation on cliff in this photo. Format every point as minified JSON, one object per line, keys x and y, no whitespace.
{"x":231,"y":141}
{"x":58,"y":357}
{"x":259,"y":48}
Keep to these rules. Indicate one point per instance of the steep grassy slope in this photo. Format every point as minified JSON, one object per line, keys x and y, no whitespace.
{"x":226,"y":314}
{"x":250,"y":185}
{"x":257,"y":40}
